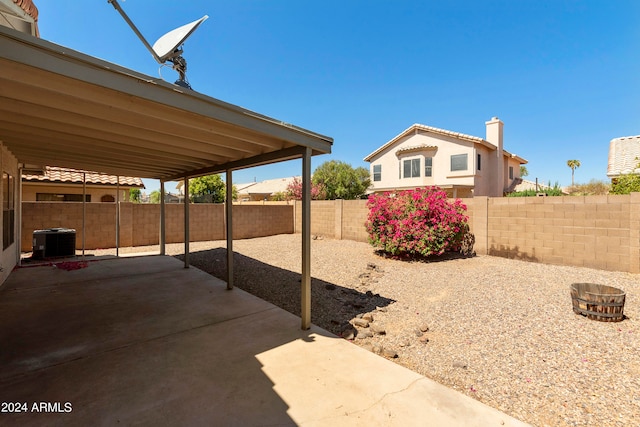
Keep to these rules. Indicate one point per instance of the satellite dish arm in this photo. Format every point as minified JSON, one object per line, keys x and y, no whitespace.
{"x":135,"y":29}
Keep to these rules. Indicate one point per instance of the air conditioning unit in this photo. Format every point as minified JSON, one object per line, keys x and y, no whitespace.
{"x":54,"y":242}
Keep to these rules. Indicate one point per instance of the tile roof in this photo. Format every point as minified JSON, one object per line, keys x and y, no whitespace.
{"x":462,"y":136}
{"x":270,"y":186}
{"x":69,"y":176}
{"x":28,"y":7}
{"x":31,"y":10}
{"x":624,"y":156}
{"x":416,"y":148}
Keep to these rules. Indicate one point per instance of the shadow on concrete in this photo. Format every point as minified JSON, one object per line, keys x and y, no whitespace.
{"x":343,"y":304}
{"x":514,"y":252}
{"x":138,"y":341}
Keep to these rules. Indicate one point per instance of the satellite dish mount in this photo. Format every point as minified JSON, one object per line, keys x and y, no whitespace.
{"x":167,"y":48}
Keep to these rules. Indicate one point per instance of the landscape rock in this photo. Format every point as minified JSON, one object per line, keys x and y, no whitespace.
{"x":423,"y":339}
{"x":418,"y":332}
{"x":381,"y":309}
{"x":377,"y":328}
{"x":377,"y":348}
{"x":424,"y":328}
{"x":364,"y":334}
{"x":389,"y":353}
{"x":349,"y":333}
{"x":368,"y":316}
{"x":360,"y":322}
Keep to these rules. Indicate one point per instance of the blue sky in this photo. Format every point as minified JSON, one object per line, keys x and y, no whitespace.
{"x":564,"y":76}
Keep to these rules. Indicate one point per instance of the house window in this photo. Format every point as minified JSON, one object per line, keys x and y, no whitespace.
{"x":510,"y":172}
{"x":377,"y":172}
{"x":479,"y":162}
{"x":8,"y":210}
{"x":428,"y":166}
{"x":459,"y":162}
{"x":54,"y":197}
{"x":412,"y":168}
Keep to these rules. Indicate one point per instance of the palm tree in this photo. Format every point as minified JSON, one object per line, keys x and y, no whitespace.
{"x":573,"y":164}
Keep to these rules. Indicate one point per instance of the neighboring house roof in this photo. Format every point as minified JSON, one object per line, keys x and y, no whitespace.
{"x":70,"y":176}
{"x":526,"y":185}
{"x":624,"y":156}
{"x":415,"y":128}
{"x":17,"y":13}
{"x":270,"y":186}
{"x":28,"y":7}
{"x":244,"y":186}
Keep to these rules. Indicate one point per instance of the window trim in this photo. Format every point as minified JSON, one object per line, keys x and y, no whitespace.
{"x":8,"y":210}
{"x":378,"y":173}
{"x":428,"y":167}
{"x":457,"y":157}
{"x":413,"y":171}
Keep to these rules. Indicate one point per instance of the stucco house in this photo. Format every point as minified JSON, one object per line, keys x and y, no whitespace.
{"x":624,"y":156}
{"x":463,"y":165}
{"x":53,"y":184}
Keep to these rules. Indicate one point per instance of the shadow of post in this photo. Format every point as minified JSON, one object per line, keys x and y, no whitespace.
{"x":332,"y":305}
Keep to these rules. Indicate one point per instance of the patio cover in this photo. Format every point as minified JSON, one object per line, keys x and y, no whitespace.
{"x":60,"y":107}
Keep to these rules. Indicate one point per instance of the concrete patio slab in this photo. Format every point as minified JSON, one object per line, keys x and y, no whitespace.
{"x":143,"y":341}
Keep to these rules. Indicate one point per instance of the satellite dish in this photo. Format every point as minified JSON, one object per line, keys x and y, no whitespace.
{"x":168,"y":47}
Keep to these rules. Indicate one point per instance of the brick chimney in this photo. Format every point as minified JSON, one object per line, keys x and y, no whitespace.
{"x":495,"y":136}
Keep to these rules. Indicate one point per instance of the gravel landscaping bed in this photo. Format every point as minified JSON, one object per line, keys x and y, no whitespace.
{"x":501,"y":331}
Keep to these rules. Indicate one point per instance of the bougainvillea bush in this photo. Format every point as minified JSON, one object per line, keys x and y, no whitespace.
{"x":416,"y":222}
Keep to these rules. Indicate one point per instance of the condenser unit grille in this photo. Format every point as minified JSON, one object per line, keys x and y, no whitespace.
{"x":54,"y":242}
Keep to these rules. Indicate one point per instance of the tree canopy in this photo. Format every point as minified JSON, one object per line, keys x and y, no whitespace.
{"x":208,"y":189}
{"x":154,"y":196}
{"x":573,"y":164}
{"x":341,"y":181}
{"x":135,"y":195}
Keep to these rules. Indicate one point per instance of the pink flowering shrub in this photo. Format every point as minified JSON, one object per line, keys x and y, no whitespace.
{"x":416,"y":222}
{"x":294,"y":190}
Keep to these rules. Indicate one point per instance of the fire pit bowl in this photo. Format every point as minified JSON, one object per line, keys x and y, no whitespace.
{"x":598,"y":302}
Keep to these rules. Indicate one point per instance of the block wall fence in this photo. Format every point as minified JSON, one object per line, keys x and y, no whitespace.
{"x":140,"y":223}
{"x":600,"y":232}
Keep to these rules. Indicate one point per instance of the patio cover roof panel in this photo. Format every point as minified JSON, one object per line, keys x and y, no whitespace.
{"x":84,"y":113}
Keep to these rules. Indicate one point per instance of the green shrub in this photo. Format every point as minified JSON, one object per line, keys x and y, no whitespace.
{"x":553,"y":191}
{"x":625,"y":184}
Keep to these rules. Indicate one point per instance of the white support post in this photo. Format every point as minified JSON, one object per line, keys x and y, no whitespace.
{"x":162,"y":221}
{"x":186,"y":222}
{"x":18,"y":216}
{"x":118,"y":216}
{"x":228,"y":212}
{"x":306,"y":240}
{"x":84,"y":211}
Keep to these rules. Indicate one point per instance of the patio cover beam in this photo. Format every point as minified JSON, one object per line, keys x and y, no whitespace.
{"x":259,"y":160}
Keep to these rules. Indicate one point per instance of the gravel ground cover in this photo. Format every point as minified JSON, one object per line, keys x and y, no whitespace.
{"x":501,"y":331}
